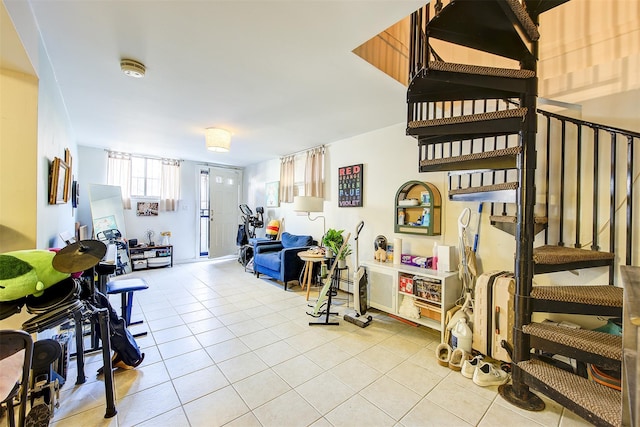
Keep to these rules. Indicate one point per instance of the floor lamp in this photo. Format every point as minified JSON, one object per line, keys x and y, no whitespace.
{"x":310,"y":204}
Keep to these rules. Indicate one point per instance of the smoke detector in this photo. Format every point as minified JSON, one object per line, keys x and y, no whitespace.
{"x":132,"y":68}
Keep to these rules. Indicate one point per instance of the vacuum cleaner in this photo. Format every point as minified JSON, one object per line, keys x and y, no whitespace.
{"x":360,"y":291}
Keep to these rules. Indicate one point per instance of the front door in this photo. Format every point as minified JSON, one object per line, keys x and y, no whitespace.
{"x":224,"y":191}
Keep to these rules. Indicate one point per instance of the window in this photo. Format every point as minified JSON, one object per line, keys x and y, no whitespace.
{"x":146,"y":176}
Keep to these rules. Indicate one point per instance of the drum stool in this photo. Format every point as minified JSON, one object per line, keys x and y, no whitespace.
{"x":126,"y":288}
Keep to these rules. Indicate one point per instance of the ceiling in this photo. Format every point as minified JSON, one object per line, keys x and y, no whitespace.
{"x":279,"y":74}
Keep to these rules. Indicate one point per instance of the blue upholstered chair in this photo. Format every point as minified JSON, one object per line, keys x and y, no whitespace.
{"x":279,"y":259}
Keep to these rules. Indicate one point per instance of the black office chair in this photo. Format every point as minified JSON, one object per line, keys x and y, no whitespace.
{"x":12,"y":342}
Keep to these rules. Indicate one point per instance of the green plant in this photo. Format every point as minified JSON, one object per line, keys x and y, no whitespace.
{"x":340,"y":251}
{"x":332,"y":236}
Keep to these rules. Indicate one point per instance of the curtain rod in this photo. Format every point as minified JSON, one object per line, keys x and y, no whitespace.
{"x":303,"y":151}
{"x":146,"y":156}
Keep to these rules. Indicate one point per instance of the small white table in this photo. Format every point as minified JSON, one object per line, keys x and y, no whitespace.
{"x":307,"y":274}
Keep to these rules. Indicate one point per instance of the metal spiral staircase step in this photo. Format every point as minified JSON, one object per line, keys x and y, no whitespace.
{"x":596,"y":403}
{"x":508,"y":223}
{"x":504,"y":192}
{"x":498,"y":159}
{"x":541,"y":6}
{"x":501,"y":27}
{"x":445,"y":81}
{"x":549,"y":259}
{"x":599,"y":348}
{"x":598,"y":300}
{"x":468,"y":126}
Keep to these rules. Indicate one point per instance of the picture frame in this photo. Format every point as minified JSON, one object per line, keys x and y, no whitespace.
{"x":59,"y":182}
{"x":350,"y":181}
{"x":272,"y":194}
{"x":147,"y":208}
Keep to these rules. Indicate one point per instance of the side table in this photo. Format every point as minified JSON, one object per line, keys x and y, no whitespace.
{"x":307,"y":274}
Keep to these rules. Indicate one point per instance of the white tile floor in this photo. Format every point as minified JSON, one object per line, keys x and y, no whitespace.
{"x":226,"y":348}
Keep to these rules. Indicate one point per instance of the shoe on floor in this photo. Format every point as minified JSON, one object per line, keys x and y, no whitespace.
{"x":487,"y":375}
{"x":468,"y":367}
{"x":443,"y":354}
{"x":458,"y":356}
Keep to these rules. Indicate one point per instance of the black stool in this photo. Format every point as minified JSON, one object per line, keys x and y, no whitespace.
{"x":126,"y":288}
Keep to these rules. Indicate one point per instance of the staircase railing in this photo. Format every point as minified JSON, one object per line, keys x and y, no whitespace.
{"x":589,"y":176}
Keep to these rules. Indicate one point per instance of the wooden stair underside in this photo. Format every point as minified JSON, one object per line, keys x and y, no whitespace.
{"x":482,"y":25}
{"x":598,"y":404}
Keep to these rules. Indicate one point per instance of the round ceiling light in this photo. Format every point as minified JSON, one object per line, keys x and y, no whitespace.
{"x":132,"y":68}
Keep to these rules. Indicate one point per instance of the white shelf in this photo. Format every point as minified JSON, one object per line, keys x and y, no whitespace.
{"x":384,"y":293}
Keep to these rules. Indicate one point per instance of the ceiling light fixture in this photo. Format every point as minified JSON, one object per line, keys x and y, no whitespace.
{"x":217,"y":139}
{"x":132,"y":68}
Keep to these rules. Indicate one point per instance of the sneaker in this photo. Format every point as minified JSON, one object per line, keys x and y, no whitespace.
{"x":443,"y":354}
{"x":469,"y":367}
{"x":458,"y":356}
{"x":487,"y":375}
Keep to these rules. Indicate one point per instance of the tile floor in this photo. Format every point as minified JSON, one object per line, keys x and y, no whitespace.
{"x":226,"y":348}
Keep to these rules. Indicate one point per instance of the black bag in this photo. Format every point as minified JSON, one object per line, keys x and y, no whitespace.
{"x":122,"y":341}
{"x":241,"y":237}
{"x":246,"y":254}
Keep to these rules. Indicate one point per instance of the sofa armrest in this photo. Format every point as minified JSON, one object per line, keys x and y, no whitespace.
{"x":292,"y":253}
{"x":264,"y":247}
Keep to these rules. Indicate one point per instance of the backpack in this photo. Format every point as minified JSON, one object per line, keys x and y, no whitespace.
{"x":122,"y":341}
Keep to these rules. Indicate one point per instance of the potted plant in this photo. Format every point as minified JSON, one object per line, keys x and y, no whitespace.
{"x":341,"y":252}
{"x":332,"y":239}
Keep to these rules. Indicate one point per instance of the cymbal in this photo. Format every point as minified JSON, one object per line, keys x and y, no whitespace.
{"x":79,"y":256}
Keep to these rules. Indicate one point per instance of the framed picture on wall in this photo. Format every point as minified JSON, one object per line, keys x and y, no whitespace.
{"x":147,"y":209}
{"x":271,"y":190}
{"x":350,"y":186}
{"x":58,"y":182}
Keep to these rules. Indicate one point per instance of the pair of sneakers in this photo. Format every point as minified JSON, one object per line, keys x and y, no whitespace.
{"x":483,"y":373}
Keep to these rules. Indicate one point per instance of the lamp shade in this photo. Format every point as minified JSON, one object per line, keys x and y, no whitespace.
{"x":218,"y":139}
{"x":308,"y":204}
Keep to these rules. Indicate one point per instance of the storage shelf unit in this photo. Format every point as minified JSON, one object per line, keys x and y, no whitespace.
{"x":418,"y":208}
{"x":437,"y":291}
{"x":146,"y":257}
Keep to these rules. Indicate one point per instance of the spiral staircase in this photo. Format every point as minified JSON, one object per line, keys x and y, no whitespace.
{"x":479,"y":123}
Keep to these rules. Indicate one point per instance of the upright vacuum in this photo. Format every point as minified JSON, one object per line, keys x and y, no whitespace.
{"x":359,"y":290}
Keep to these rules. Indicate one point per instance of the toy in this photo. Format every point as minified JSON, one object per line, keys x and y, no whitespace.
{"x":380,"y":245}
{"x":27,"y":272}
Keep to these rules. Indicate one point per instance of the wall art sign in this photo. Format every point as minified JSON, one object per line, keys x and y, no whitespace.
{"x":147,"y":209}
{"x":350,"y":186}
{"x":271,"y":190}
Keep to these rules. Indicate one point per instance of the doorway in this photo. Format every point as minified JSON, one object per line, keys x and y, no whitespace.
{"x":218,"y":214}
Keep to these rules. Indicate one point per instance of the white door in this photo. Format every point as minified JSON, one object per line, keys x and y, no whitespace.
{"x":224,"y":192}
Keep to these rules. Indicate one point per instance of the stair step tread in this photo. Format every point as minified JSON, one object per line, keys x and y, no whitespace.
{"x":505,"y":152}
{"x":549,"y":254}
{"x":600,"y":343}
{"x":604,"y":402}
{"x":514,"y":219}
{"x":525,"y":20}
{"x":602,"y":295}
{"x":470,"y":118}
{"x":453,"y":67}
{"x":485,"y":188}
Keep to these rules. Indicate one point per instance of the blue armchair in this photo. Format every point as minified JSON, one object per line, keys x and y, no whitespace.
{"x":279,"y":259}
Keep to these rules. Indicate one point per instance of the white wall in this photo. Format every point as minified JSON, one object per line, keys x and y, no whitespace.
{"x":182,"y":223}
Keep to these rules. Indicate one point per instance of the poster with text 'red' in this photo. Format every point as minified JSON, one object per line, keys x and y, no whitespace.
{"x":350,"y":186}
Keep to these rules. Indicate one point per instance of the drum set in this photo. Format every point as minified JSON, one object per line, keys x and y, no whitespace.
{"x":69,"y":299}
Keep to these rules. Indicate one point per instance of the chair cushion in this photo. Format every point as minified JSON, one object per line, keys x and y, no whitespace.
{"x":270,"y":260}
{"x":294,"y":241}
{"x":126,"y":285}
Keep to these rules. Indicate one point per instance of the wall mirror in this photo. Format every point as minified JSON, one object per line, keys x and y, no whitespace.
{"x":107,"y":213}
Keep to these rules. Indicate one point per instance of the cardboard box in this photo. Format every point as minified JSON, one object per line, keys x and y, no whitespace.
{"x":416,"y":261}
{"x":406,"y":284}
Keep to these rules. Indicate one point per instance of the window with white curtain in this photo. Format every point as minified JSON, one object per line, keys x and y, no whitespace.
{"x":145,"y":177}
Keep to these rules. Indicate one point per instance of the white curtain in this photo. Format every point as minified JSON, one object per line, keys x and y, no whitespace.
{"x":170,"y":187}
{"x":119,"y":173}
{"x":287,"y":178}
{"x":314,"y":173}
